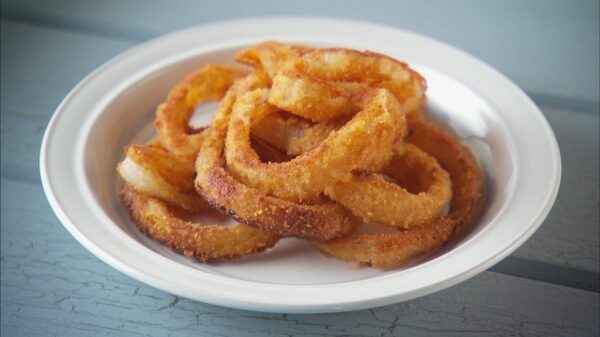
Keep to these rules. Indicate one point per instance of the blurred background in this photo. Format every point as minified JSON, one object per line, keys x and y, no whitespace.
{"x":535,"y":43}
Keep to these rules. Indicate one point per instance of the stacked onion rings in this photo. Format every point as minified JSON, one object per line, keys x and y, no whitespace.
{"x":308,"y":143}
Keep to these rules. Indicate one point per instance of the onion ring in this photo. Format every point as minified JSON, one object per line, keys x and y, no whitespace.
{"x":158,"y":183}
{"x":293,"y":134}
{"x":172,"y":117}
{"x":325,"y":83}
{"x":206,"y":243}
{"x":391,"y":250}
{"x":363,"y":142}
{"x":340,"y":116}
{"x":371,"y":197}
{"x":465,"y":173}
{"x":270,"y":56}
{"x":367,"y":195}
{"x":246,"y":204}
{"x":154,"y":171}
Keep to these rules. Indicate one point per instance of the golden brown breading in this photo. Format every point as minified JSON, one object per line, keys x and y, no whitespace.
{"x":207,"y":243}
{"x":362,"y":143}
{"x":372,"y":197}
{"x":248,"y":205}
{"x":391,"y":250}
{"x":172,"y":117}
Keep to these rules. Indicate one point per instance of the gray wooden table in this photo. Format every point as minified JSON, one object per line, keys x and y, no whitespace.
{"x":52,"y":286}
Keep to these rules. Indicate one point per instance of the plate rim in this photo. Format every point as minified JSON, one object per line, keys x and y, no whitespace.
{"x":265,"y":304}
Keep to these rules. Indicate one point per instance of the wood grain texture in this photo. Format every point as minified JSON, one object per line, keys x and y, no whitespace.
{"x":559,"y":240}
{"x":568,"y":238}
{"x":51,"y":286}
{"x":547,"y":47}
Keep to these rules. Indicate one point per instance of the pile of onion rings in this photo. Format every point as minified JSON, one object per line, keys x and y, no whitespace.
{"x":307,"y":143}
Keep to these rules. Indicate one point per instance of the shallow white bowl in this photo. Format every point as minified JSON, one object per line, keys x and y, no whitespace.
{"x":115,"y":104}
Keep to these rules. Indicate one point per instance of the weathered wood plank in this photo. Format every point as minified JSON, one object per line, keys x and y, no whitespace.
{"x":547,"y":47}
{"x":568,"y":238}
{"x":576,"y":206}
{"x":39,"y":67}
{"x":32,"y":87}
{"x":51,"y":286}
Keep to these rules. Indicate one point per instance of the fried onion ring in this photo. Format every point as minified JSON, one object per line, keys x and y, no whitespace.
{"x":246,"y":204}
{"x":458,"y":160}
{"x":391,"y":250}
{"x":159,"y":186}
{"x":270,"y":56}
{"x":373,"y":198}
{"x":310,"y":144}
{"x":362,"y":143}
{"x":325,"y":83}
{"x":172,"y":117}
{"x":153,"y":170}
{"x":292,"y":134}
{"x":207,"y":243}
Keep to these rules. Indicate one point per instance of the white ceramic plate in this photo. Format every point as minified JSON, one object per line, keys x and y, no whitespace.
{"x":114,"y":106}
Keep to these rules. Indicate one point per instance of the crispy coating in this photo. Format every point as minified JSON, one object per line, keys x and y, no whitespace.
{"x":325,"y":83}
{"x":312,"y":98}
{"x":153,"y":170}
{"x":319,"y":84}
{"x":270,"y":56}
{"x":373,"y":198}
{"x":206,"y":243}
{"x":389,"y":250}
{"x":458,"y":160}
{"x":310,"y":144}
{"x":424,"y":191}
{"x":172,"y":117}
{"x":293,"y":134}
{"x":362,"y":143}
{"x":246,"y":204}
{"x":392,"y":250}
